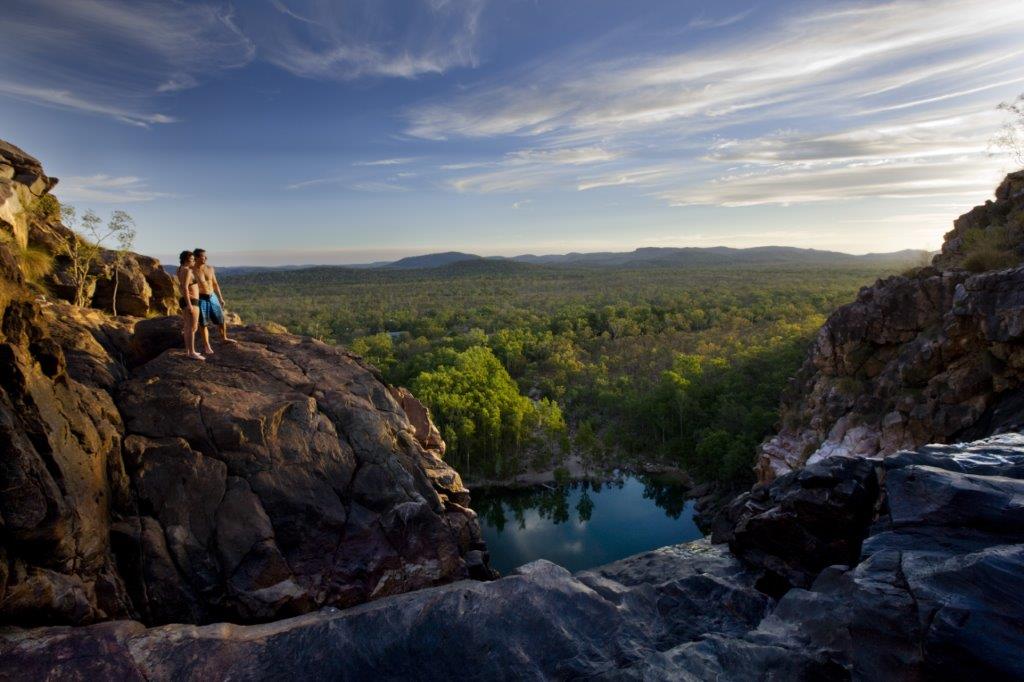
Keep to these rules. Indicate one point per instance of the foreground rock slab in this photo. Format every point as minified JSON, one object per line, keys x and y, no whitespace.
{"x":934,"y":593}
{"x":539,"y":623}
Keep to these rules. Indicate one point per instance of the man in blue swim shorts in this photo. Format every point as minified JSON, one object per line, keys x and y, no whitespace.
{"x":211,"y":301}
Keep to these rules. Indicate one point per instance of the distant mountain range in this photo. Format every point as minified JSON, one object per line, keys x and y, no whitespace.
{"x":645,"y":257}
{"x":714,"y":255}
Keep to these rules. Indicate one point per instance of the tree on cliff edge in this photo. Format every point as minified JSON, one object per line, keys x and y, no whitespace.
{"x":1011,"y":136}
{"x":83,"y":247}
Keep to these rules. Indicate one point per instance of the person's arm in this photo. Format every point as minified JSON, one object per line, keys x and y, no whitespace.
{"x":216,"y":285}
{"x":189,"y":276}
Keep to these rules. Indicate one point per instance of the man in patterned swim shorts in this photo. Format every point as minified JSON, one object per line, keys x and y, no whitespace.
{"x":211,"y":301}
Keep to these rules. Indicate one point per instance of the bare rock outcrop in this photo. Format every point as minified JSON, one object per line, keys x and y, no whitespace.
{"x":279,"y":476}
{"x":143,"y":287}
{"x":933,"y":593}
{"x":933,"y":356}
{"x":22,"y":182}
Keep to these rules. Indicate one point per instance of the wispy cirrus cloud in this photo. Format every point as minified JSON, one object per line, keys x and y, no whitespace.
{"x":705,"y":22}
{"x":107,"y":189}
{"x":66,"y":99}
{"x":114,"y":59}
{"x":906,"y":86}
{"x":389,"y":38}
{"x":528,"y":168}
{"x":386,"y":162}
{"x":908,"y":179}
{"x":829,"y":55}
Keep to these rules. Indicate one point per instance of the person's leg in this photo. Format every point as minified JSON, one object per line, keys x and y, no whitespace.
{"x":219,"y":319}
{"x":206,"y":340}
{"x":195,"y":326}
{"x":191,"y":323}
{"x":187,"y":331}
{"x":204,"y":323}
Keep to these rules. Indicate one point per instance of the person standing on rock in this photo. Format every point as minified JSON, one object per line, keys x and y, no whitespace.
{"x":211,"y":301}
{"x":189,"y":303}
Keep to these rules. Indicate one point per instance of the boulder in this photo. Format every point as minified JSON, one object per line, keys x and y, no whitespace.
{"x":803,"y":522}
{"x":300,"y":435}
{"x":22,"y":182}
{"x":144,"y":288}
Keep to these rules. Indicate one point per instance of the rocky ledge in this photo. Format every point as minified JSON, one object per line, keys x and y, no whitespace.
{"x":277,"y":477}
{"x":280,"y":476}
{"x":932,"y":592}
{"x":936,"y":355}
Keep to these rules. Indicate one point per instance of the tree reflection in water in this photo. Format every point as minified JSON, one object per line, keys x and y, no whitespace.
{"x":551,"y":503}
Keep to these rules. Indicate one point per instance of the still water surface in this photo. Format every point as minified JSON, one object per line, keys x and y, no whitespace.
{"x":583,"y":525}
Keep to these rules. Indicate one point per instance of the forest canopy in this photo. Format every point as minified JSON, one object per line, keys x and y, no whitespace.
{"x":523,"y":366}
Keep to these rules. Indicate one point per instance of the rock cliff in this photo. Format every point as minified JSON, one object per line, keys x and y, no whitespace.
{"x":26,"y":223}
{"x":283,"y":475}
{"x":933,"y":594}
{"x":936,"y":355}
{"x":278,"y":477}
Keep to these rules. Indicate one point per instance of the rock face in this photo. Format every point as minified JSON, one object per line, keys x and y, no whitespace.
{"x":933,"y":594}
{"x":935,"y":356}
{"x":279,"y":476}
{"x":803,"y":522}
{"x":22,"y":182}
{"x":144,"y":288}
{"x":1006,"y":210}
{"x":539,"y":623}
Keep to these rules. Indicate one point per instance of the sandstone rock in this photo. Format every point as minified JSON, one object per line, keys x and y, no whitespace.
{"x":933,"y":356}
{"x":540,"y":623}
{"x":279,"y":476}
{"x":59,"y":480}
{"x":803,"y":522}
{"x":932,"y":595}
{"x":144,"y":288}
{"x":22,"y":181}
{"x":937,"y":357}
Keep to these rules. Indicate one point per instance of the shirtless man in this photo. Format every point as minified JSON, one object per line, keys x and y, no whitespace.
{"x":211,"y":301}
{"x":189,"y":303}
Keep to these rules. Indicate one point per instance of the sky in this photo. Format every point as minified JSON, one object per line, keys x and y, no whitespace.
{"x":307,"y":131}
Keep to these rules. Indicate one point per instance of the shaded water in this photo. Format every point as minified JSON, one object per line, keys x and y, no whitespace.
{"x":582,"y":525}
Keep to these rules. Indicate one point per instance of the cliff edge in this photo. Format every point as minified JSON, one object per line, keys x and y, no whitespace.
{"x":933,"y":356}
{"x":278,"y":477}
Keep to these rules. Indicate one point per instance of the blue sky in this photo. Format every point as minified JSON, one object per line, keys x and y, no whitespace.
{"x":304,"y":131}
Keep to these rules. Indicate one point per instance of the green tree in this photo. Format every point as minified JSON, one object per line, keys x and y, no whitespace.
{"x":84,"y":245}
{"x":122,"y":228}
{"x":475,"y":400}
{"x":1011,"y":135}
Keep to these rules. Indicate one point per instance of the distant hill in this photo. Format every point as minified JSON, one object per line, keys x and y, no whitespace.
{"x":719,"y":255}
{"x":457,"y":261}
{"x":433,"y":260}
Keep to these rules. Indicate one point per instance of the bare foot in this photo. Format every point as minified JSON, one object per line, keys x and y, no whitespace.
{"x":196,"y":356}
{"x":208,"y":350}
{"x":230,"y":341}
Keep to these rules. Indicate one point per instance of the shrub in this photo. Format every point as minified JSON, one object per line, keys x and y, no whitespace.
{"x":35,"y":263}
{"x":46,"y":207}
{"x":990,"y":249}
